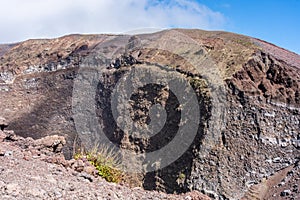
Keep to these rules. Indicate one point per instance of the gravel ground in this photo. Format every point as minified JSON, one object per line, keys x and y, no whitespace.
{"x":36,"y":169}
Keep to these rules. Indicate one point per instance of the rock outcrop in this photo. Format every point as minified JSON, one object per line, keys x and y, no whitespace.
{"x":245,"y":125}
{"x":36,"y":169}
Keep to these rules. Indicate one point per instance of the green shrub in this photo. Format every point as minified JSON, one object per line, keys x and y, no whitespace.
{"x":105,"y":161}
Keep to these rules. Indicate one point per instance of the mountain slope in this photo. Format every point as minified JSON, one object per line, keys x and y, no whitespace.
{"x":246,"y":121}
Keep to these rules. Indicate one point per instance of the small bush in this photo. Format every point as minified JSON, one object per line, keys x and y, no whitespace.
{"x":181,"y":178}
{"x":105,"y":161}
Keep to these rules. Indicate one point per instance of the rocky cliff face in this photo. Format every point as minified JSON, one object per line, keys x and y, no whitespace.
{"x":243,"y":128}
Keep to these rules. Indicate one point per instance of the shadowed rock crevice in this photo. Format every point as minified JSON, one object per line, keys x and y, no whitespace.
{"x":173,"y":178}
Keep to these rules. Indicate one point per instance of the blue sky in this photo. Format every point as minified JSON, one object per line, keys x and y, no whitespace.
{"x":276,"y":21}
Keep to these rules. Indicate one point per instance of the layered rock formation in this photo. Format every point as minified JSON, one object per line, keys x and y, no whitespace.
{"x":247,"y":113}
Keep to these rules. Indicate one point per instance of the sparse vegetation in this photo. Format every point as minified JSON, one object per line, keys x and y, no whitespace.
{"x":106,"y":161}
{"x":181,"y":178}
{"x":199,"y":85}
{"x":245,"y":42}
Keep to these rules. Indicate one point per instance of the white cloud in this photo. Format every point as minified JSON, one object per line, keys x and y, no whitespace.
{"x":21,"y":19}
